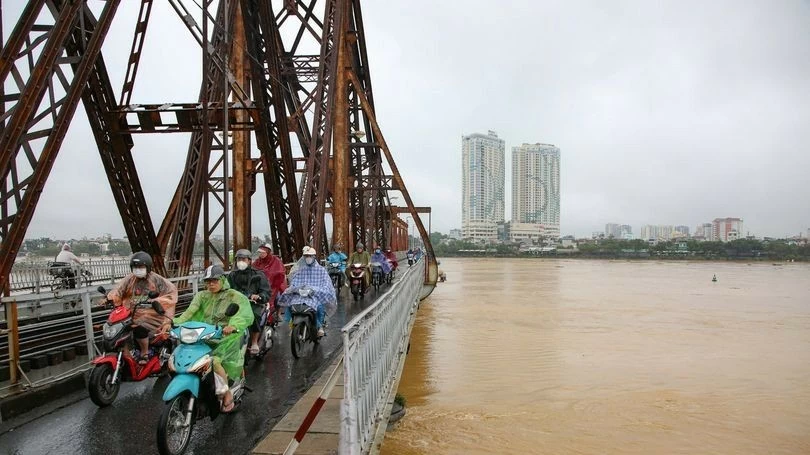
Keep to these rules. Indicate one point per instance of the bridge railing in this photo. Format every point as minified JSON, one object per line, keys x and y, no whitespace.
{"x":40,"y":338}
{"x":38,"y":277}
{"x":373,"y":343}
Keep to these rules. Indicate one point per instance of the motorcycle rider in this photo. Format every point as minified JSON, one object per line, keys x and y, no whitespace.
{"x":65,"y":260}
{"x":133,"y":289}
{"x":338,"y":256}
{"x":379,"y":257}
{"x":392,"y":258}
{"x":313,"y":276}
{"x":361,"y":257}
{"x":209,"y":306}
{"x":253,"y":284}
{"x":273,"y":269}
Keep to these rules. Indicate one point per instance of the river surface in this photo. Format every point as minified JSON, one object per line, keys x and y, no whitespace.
{"x":533,"y":356}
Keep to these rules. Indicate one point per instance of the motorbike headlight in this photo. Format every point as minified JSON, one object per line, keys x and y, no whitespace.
{"x":190,"y":336}
{"x":171,"y":364}
{"x":112,"y":331}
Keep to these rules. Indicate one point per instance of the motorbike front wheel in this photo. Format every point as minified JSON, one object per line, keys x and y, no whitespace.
{"x":173,"y":435}
{"x":102,"y":390}
{"x":298,"y":337}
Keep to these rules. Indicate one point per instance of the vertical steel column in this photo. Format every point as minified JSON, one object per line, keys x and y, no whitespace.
{"x":242,"y":165}
{"x":340,"y":131}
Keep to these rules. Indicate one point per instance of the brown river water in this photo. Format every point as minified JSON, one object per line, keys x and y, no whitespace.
{"x":533,"y":356}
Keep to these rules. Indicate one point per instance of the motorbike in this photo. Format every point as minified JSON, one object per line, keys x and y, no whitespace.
{"x":336,"y":275}
{"x":377,"y":275}
{"x":357,"y":284}
{"x":113,"y":367}
{"x":191,"y":395}
{"x":267,"y":324}
{"x":410,"y":259}
{"x":64,"y":276}
{"x":304,"y":325}
{"x":267,"y":328}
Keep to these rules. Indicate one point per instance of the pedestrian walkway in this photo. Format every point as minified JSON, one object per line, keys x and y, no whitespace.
{"x":323,"y":436}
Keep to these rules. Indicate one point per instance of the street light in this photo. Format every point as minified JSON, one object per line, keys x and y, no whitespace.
{"x":410,"y":242}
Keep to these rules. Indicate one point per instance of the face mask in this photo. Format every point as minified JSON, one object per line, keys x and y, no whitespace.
{"x":309,"y":260}
{"x":241,"y":265}
{"x":139,"y":272}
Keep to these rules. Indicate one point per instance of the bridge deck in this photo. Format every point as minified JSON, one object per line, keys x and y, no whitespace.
{"x":129,"y":424}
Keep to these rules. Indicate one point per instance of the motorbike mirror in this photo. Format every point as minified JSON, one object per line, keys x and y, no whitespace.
{"x":158,"y":307}
{"x":153,"y":294}
{"x":232,"y":310}
{"x":101,"y":290}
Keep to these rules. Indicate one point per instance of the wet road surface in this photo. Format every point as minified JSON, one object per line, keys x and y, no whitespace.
{"x":129,"y":425}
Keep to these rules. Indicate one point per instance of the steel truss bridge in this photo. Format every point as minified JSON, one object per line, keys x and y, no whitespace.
{"x":274,"y":74}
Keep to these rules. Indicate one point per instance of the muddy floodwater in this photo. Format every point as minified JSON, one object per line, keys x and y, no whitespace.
{"x":535,"y":356}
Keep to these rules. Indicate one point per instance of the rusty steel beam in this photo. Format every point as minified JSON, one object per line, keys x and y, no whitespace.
{"x":183,"y":221}
{"x":340,"y":206}
{"x":242,"y":164}
{"x":31,"y":96}
{"x":369,"y":112}
{"x":42,"y":168}
{"x":183,"y":117}
{"x":135,"y":52}
{"x":115,"y":151}
{"x":272,"y":137}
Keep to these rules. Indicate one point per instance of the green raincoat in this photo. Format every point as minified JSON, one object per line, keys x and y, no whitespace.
{"x":210,"y":308}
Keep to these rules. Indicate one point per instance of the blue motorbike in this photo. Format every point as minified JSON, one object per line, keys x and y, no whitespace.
{"x":191,"y":395}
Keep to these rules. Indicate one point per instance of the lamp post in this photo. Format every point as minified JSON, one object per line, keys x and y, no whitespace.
{"x":410,"y":242}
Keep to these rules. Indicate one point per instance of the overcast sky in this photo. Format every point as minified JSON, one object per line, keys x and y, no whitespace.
{"x":672,"y":112}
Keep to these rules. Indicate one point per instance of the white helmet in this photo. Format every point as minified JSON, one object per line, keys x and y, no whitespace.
{"x":309,"y":251}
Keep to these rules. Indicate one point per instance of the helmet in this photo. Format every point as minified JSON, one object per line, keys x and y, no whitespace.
{"x":308,"y":251}
{"x":243,"y":253}
{"x":359,"y":245}
{"x":266,"y":247}
{"x":337,"y":246}
{"x":141,"y":259}
{"x":213,"y":272}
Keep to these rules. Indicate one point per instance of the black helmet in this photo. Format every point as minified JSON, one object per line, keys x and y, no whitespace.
{"x":141,"y":259}
{"x":243,"y":253}
{"x":213,"y":272}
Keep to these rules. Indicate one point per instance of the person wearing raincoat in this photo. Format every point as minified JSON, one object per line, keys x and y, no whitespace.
{"x":313,"y":276}
{"x":209,"y":306}
{"x":134,"y":289}
{"x":360,"y":257}
{"x":273,"y":269}
{"x":380,"y":258}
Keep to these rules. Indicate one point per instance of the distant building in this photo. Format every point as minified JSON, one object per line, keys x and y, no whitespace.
{"x":455,"y":234}
{"x":727,"y":229}
{"x":648,"y":232}
{"x":536,"y":187}
{"x":527,"y":232}
{"x":483,"y":182}
{"x":703,"y":232}
{"x":683,"y":231}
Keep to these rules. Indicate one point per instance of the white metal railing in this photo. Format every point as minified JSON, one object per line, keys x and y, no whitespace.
{"x":372,"y":345}
{"x":40,"y":276}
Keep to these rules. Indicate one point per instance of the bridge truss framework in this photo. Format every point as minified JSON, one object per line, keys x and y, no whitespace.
{"x":274,"y":73}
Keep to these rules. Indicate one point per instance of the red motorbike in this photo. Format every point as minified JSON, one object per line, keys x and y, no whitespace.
{"x":113,"y":367}
{"x":357,"y":281}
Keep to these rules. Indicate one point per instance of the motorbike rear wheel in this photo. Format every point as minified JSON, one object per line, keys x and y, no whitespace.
{"x":102,"y":391}
{"x":173,"y":435}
